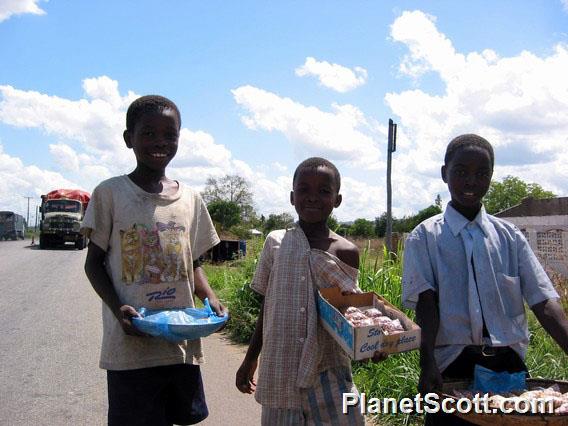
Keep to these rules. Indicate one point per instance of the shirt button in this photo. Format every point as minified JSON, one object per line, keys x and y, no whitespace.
{"x":302,"y":278}
{"x":301,"y":340}
{"x":302,"y":309}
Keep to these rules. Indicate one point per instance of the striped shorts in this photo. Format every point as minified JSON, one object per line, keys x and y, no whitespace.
{"x":321,"y":404}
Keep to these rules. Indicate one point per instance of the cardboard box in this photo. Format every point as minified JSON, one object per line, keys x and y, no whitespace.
{"x":362,"y":342}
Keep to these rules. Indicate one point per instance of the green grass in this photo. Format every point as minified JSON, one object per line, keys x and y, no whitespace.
{"x":397,"y":376}
{"x":231,"y":282}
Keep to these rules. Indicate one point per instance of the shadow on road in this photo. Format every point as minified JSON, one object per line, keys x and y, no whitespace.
{"x":59,"y":248}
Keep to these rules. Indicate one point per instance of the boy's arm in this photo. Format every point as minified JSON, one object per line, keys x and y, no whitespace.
{"x":245,"y":374}
{"x":428,"y":318}
{"x":553,"y":319}
{"x":102,"y":284}
{"x":203,"y":290}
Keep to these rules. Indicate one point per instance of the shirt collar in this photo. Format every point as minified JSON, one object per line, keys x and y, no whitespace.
{"x":456,"y":221}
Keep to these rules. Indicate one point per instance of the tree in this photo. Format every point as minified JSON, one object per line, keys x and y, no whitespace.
{"x":277,"y":221}
{"x":438,"y":202}
{"x":381,"y":225}
{"x":424,"y":214}
{"x":362,"y":228}
{"x":332,"y":223}
{"x":510,"y":192}
{"x":231,"y":188}
{"x":225,"y":213}
{"x":407,"y":223}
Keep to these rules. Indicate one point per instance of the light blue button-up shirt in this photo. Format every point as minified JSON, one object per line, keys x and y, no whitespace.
{"x":438,"y":256}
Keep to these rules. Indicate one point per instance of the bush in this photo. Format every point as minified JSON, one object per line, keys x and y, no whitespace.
{"x":231,"y":282}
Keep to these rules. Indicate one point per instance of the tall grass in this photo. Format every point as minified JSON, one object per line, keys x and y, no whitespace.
{"x":397,"y":376}
{"x":231,"y":282}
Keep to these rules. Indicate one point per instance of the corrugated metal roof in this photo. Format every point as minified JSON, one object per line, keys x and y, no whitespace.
{"x":532,"y":207}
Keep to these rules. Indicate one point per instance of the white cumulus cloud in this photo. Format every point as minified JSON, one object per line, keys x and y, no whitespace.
{"x":18,"y":180}
{"x":333,"y":76}
{"x":17,"y":7}
{"x":519,"y":103}
{"x":65,"y":156}
{"x":341,"y":135}
{"x":89,"y":133}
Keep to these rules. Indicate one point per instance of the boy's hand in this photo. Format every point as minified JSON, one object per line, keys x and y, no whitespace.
{"x":126,"y":313}
{"x":245,"y":377}
{"x":377,"y":357}
{"x":218,"y":307}
{"x":430,"y":380}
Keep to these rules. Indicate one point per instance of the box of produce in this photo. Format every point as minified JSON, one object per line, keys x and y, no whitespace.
{"x":364,"y":323}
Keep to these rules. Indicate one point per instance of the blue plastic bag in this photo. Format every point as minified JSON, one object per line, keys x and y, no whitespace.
{"x":176,"y":325}
{"x":486,"y":380}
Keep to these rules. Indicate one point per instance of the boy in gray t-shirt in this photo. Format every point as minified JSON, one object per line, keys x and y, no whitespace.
{"x":146,"y":235}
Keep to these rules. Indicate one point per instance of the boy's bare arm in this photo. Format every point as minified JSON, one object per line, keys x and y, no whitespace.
{"x":428,"y":318}
{"x":347,"y":252}
{"x":245,"y":374}
{"x":203,"y":290}
{"x":102,"y":284}
{"x":553,"y":319}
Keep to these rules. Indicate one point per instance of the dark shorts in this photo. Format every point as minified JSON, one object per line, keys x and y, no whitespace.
{"x":156,"y":396}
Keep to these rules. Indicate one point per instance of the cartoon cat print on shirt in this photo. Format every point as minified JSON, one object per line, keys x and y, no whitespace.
{"x":131,"y":255}
{"x":172,"y":252}
{"x":152,"y":256}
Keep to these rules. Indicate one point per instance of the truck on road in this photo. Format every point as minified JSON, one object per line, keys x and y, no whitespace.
{"x":62,"y":212}
{"x":12,"y":226}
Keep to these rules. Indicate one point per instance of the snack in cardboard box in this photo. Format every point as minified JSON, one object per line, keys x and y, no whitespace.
{"x":372,"y":316}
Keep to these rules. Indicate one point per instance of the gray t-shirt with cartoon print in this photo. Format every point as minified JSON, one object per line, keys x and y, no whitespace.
{"x":151,"y":241}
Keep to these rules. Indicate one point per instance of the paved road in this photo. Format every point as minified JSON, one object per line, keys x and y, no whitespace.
{"x":51,"y":330}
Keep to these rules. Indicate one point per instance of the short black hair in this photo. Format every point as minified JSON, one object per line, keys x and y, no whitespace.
{"x":313,"y":163}
{"x":149,"y":103}
{"x":465,"y":141}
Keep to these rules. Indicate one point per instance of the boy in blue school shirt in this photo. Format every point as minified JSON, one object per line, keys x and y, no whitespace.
{"x":467,"y":274}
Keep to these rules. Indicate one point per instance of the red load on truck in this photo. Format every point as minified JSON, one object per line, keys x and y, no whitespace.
{"x":72,"y":194}
{"x":62,"y":211}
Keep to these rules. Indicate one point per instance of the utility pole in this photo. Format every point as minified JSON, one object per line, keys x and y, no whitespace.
{"x":28,"y":216}
{"x":390,"y":150}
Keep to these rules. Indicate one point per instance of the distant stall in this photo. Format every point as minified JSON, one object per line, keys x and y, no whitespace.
{"x":229,"y":248}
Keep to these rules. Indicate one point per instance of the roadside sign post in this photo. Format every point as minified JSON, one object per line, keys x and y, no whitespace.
{"x":390,"y":150}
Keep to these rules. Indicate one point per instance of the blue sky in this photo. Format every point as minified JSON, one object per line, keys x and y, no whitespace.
{"x":263,"y":85}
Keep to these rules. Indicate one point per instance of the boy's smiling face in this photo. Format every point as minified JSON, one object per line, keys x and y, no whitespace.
{"x":154,"y":139}
{"x":315,"y":194}
{"x":468,"y":175}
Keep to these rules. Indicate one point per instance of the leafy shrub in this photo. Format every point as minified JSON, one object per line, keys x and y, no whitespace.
{"x":231,"y":282}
